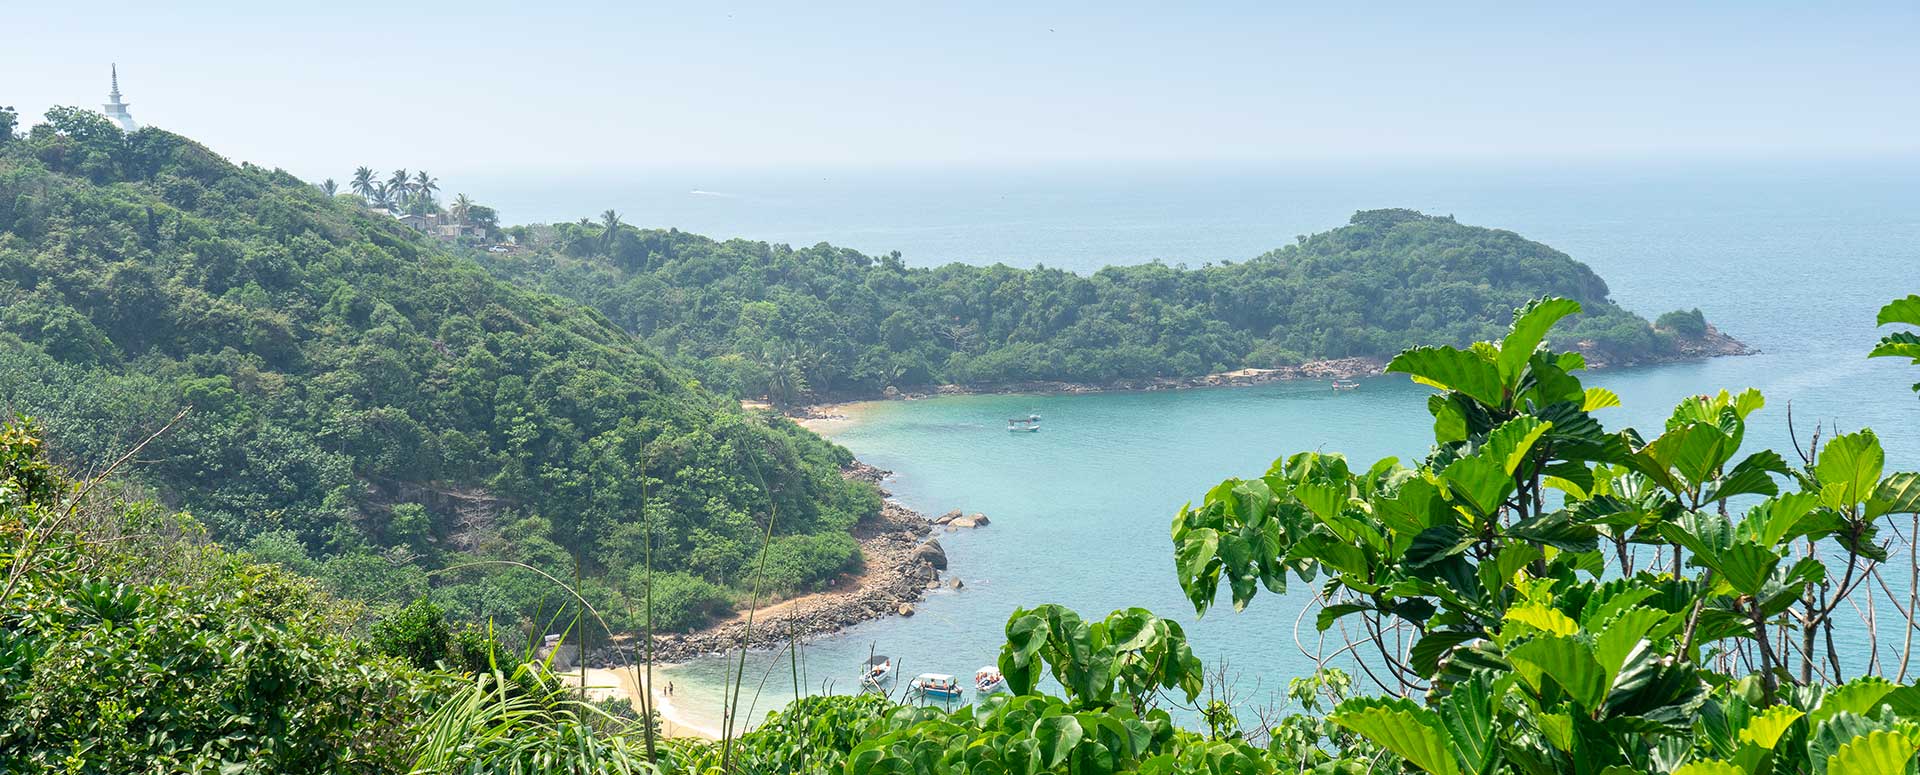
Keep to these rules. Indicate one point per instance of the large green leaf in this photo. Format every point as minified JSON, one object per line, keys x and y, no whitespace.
{"x":1057,"y":735}
{"x":1467,"y":712}
{"x":1450,"y":368}
{"x":1875,"y":753}
{"x":1568,"y":661}
{"x":1621,"y":635}
{"x":1414,"y":733}
{"x":1746,"y":567}
{"x":1851,"y":462}
{"x":1897,"y":494}
{"x":1530,"y":325}
{"x":1485,"y":478}
{"x":1860,"y":695}
{"x":1765,"y":729}
{"x":1905,"y":310}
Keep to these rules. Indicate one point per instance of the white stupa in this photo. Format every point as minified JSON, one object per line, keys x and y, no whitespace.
{"x":117,"y":110}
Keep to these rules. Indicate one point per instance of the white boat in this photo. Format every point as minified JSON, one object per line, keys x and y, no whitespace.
{"x":989,"y":680}
{"x":1345,"y":385}
{"x":939,"y":686}
{"x":876,"y":671}
{"x":1027,"y":424}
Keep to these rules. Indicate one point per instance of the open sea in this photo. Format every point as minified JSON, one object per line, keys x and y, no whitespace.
{"x":1792,"y":258}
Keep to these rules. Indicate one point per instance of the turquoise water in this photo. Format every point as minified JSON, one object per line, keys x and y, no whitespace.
{"x":1794,"y":262}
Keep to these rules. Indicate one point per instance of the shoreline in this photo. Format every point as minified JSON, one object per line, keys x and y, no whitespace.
{"x":821,"y":417}
{"x":624,"y":682}
{"x":900,"y":562}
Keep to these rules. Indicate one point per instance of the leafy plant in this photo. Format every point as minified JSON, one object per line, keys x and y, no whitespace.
{"x":1568,"y":594}
{"x":1900,"y":344}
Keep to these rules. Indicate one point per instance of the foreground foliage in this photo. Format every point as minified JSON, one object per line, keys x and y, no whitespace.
{"x":129,"y":644}
{"x":1578,"y":600}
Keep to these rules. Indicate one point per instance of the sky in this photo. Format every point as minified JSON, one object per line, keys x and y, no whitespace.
{"x":479,"y":87}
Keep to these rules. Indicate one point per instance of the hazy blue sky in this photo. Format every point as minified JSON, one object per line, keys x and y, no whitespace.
{"x":483,"y":87}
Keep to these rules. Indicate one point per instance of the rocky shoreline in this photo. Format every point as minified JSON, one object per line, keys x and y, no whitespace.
{"x":901,"y":562}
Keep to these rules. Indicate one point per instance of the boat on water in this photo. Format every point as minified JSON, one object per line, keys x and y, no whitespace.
{"x":989,"y":680}
{"x":937,"y":686}
{"x":1027,"y":424}
{"x":876,"y":671}
{"x":1345,"y":384}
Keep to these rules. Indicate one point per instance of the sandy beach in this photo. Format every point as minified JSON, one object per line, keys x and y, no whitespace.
{"x":829,"y":419}
{"x":624,"y":683}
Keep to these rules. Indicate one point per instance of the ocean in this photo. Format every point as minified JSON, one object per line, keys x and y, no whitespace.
{"x":1793,"y":258}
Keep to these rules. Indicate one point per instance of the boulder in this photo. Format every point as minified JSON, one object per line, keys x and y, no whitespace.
{"x":906,"y":609}
{"x":947,"y":518}
{"x":933,"y":583}
{"x":932,"y":554}
{"x":955,"y":583}
{"x":969,"y":521}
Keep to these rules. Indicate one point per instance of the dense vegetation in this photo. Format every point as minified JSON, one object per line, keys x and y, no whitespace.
{"x":758,"y":319}
{"x":128,"y":643}
{"x":367,"y":408}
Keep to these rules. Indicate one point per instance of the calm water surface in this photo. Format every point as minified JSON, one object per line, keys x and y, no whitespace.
{"x":1793,"y":260}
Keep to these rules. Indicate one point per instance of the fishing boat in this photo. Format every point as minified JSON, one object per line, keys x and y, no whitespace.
{"x":989,"y":680}
{"x":1027,"y":424}
{"x":876,"y":671}
{"x":1345,"y":384}
{"x":937,"y":686}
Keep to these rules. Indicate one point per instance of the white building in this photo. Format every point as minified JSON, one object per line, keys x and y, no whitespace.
{"x":117,"y":110}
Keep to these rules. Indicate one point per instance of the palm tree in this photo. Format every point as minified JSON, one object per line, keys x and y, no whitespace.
{"x":382,"y":196}
{"x":329,"y":187}
{"x":610,"y":223}
{"x":400,"y":184}
{"x":425,"y":185}
{"x":460,"y":208}
{"x":363,"y":183}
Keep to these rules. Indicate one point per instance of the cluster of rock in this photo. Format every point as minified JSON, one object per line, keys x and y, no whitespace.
{"x":901,"y":564}
{"x":954,"y":520}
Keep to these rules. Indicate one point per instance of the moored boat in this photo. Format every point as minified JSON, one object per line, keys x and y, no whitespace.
{"x":876,"y":671}
{"x":989,"y":680}
{"x":1027,"y":424}
{"x":1346,"y":384}
{"x":938,"y":686}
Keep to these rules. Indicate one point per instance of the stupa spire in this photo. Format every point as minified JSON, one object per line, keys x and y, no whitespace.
{"x":115,"y":109}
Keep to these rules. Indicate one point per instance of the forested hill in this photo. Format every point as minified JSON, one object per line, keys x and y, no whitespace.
{"x":366,"y":407}
{"x":761,"y":319}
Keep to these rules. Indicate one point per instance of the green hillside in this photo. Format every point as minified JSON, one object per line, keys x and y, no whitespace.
{"x":365,"y":406}
{"x":762,"y":319}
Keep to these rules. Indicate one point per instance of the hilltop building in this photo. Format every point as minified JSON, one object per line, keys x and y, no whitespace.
{"x":117,"y":110}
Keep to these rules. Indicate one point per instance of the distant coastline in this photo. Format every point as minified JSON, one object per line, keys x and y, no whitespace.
{"x":813,"y":416}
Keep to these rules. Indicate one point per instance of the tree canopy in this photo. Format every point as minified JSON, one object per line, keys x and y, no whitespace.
{"x":766,"y":319}
{"x":363,"y":403}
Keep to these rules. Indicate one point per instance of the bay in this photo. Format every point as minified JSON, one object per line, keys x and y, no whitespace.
{"x":1792,"y":258}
